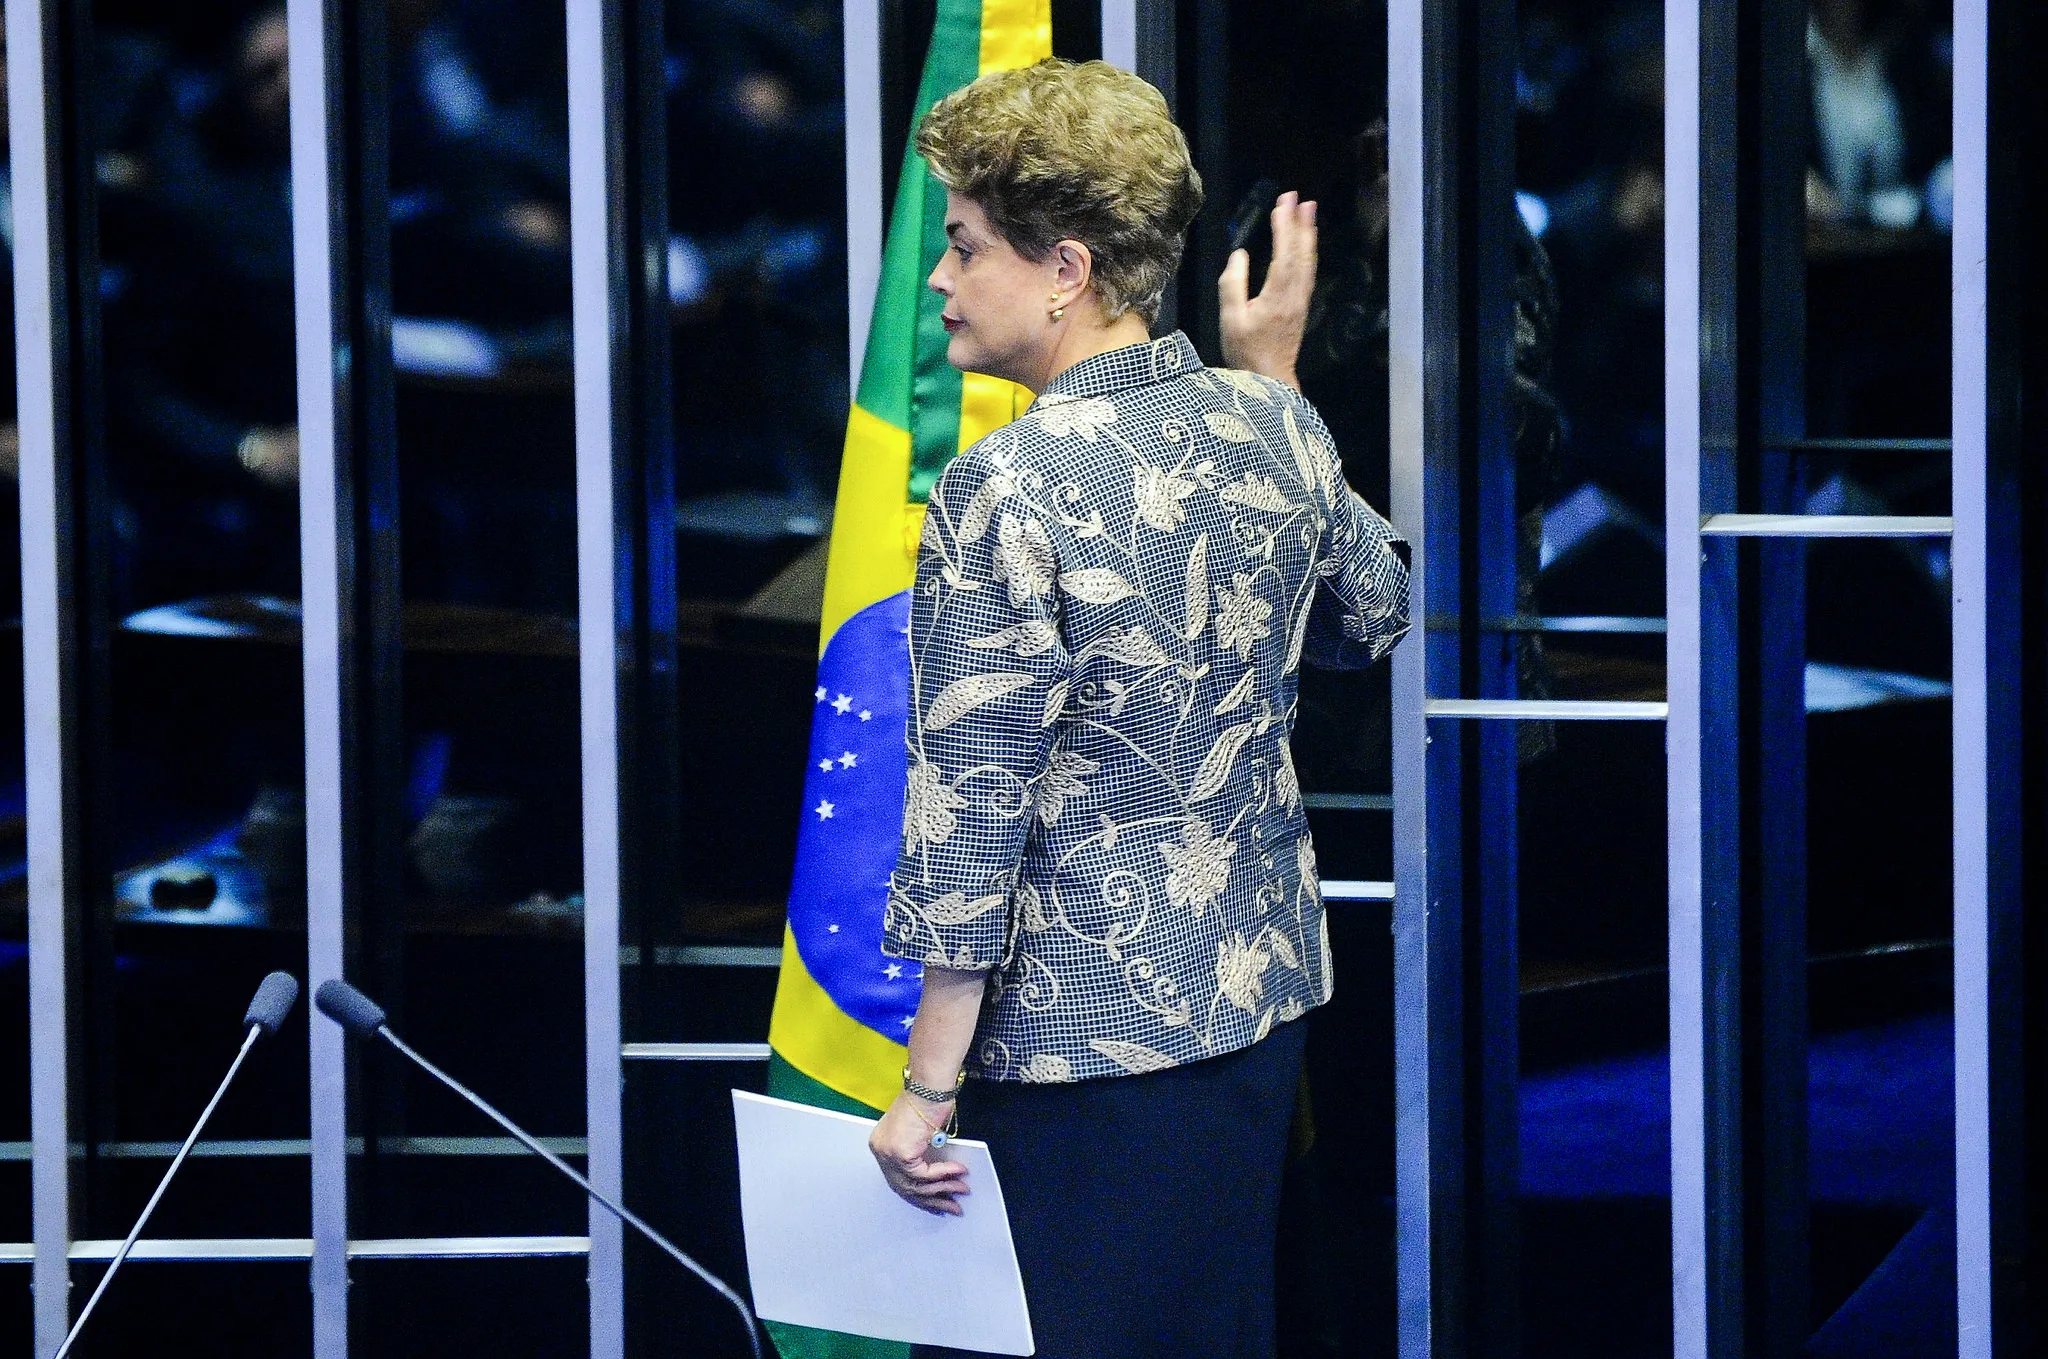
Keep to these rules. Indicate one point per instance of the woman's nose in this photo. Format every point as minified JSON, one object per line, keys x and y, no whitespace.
{"x":939,"y":281}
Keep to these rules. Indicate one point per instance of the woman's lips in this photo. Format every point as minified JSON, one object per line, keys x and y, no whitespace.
{"x":952,"y":323}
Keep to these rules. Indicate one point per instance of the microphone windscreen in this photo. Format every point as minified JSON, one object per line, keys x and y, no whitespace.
{"x":274,"y":1000}
{"x":349,"y":1007}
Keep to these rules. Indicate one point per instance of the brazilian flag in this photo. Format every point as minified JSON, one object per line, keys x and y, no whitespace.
{"x":843,"y":1009}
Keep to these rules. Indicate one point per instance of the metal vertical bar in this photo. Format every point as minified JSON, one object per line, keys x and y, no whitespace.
{"x":33,"y":131}
{"x":349,"y":568}
{"x":321,"y":537}
{"x":1978,"y":906}
{"x":625,"y":473}
{"x":1427,"y":394}
{"x":861,"y":35}
{"x":1120,"y":33}
{"x":1682,"y":676}
{"x":598,"y":265}
{"x":1412,"y":917}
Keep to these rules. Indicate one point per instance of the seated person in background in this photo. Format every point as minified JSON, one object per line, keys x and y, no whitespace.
{"x":479,"y":168}
{"x":200,"y":343}
{"x":757,"y":271}
{"x":1880,"y":114}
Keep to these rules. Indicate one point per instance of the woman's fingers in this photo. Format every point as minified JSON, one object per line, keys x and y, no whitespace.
{"x":933,"y":1187}
{"x":1233,"y":289}
{"x":1293,"y":274}
{"x":936,"y":1170}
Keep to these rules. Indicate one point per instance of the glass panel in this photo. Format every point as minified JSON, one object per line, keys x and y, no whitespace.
{"x":1880,"y":1096}
{"x":695,"y":1203}
{"x":757,"y":276}
{"x":425,"y":1309}
{"x":204,"y":823}
{"x":1589,"y":347}
{"x":1880,"y":1000}
{"x":756,"y":200}
{"x":1880,"y":201}
{"x":232,"y":1309}
{"x":1595,"y":1125}
{"x":482,"y":969}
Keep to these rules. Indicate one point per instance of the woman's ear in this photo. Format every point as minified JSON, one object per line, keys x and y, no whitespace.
{"x":1075,"y":268}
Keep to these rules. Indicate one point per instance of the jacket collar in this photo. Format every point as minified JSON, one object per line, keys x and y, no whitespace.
{"x":1135,"y":365}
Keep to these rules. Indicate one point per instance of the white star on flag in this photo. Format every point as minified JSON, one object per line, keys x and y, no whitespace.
{"x":841,"y":704}
{"x":824,"y":810}
{"x":893,"y":971}
{"x":848,"y":760}
{"x":831,"y":929}
{"x":821,"y":693}
{"x":908,"y":1020}
{"x":865,"y":714}
{"x":825,"y":765}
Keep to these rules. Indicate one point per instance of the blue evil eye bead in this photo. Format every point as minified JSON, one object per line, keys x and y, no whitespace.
{"x":940,"y":1139}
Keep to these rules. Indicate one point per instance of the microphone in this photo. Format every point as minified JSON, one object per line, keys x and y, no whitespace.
{"x":364,"y":1018}
{"x":273,"y":1001}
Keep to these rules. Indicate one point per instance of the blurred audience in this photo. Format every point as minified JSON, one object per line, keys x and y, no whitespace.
{"x":1880,"y":115}
{"x":191,"y":126}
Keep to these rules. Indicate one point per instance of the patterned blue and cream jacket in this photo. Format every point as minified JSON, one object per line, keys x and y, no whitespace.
{"x":1114,"y":595}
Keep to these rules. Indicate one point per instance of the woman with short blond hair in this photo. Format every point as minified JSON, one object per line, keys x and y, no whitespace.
{"x":1106,"y":870}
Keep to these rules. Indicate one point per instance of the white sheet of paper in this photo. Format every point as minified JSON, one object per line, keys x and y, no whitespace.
{"x":829,"y":1245}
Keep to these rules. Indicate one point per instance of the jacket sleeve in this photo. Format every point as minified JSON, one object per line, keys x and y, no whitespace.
{"x":988,"y":673}
{"x":1361,"y":602}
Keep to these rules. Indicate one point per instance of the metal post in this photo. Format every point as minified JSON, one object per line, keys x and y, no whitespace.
{"x":1424,"y":316}
{"x":862,"y":37}
{"x":1990,"y":703}
{"x":626,"y":568}
{"x":598,"y":265}
{"x":349,"y":562}
{"x":1690,"y":1317}
{"x":1120,"y":33}
{"x":48,"y":644}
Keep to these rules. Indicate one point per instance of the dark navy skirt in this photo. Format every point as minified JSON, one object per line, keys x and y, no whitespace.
{"x":1145,"y":1208}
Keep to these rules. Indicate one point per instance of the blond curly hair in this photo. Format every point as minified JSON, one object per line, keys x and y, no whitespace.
{"x":1065,"y":151}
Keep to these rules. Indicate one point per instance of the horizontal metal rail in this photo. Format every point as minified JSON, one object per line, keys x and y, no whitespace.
{"x":1867,"y":446}
{"x":1546,"y":709}
{"x":227,"y":1249}
{"x":1348,"y":802}
{"x":704,"y":955}
{"x":1828,"y":525}
{"x":694,"y":1052}
{"x":258,"y":1148}
{"x":1356,"y":889}
{"x":1583,"y":623}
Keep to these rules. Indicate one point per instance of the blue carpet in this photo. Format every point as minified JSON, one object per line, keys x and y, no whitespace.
{"x":1881,"y":1104}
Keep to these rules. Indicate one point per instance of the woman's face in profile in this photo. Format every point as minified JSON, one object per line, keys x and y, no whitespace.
{"x":997,"y":315}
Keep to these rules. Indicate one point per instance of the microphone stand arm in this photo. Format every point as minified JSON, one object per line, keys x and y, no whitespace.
{"x":121,"y":1255}
{"x":533,"y":1145}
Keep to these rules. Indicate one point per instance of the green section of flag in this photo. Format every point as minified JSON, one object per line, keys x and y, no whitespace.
{"x":786,"y":1082}
{"x":905,"y":368}
{"x":955,"y":61}
{"x":802,"y":1342}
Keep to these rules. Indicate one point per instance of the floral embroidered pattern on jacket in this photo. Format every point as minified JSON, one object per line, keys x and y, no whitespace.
{"x":1114,"y":597}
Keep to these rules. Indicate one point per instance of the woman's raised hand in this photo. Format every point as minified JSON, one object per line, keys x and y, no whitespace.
{"x":902,"y":1144}
{"x":1263,"y":334}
